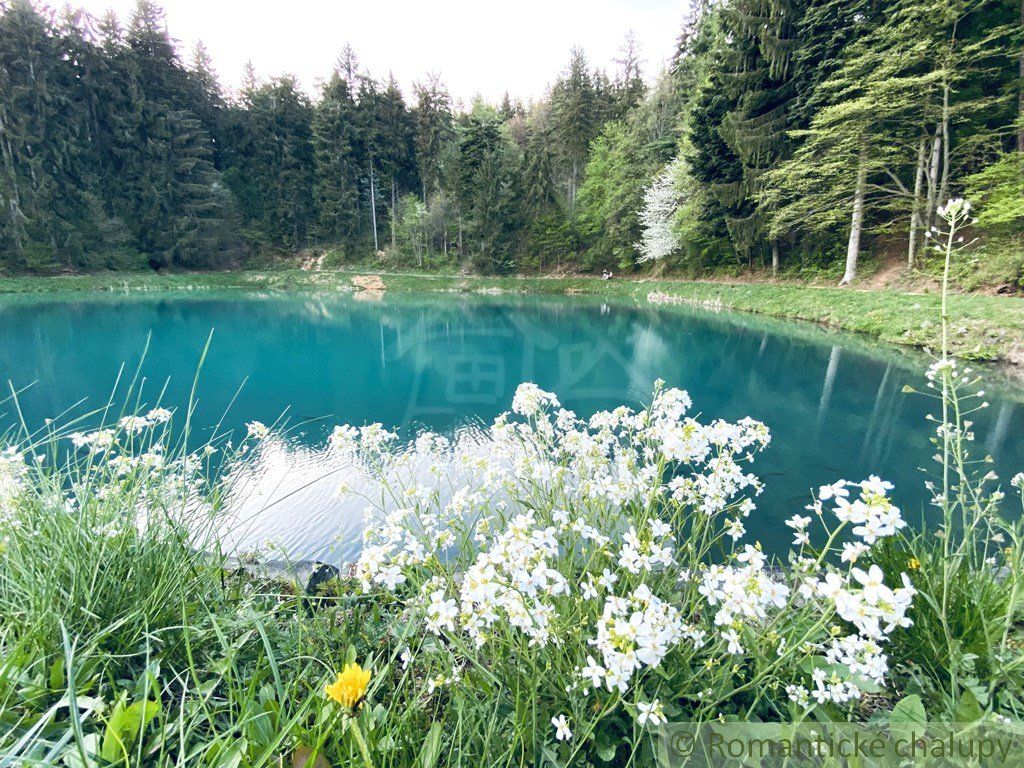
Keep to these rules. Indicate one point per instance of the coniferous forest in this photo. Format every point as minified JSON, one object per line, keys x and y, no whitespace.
{"x":783,"y":134}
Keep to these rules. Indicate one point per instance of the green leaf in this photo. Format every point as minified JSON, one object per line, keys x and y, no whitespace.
{"x":124,"y":725}
{"x":57,"y":680}
{"x":908,"y":713}
{"x":431,"y":749}
{"x":909,"y":709}
{"x":968,"y":710}
{"x":231,"y":757}
{"x":606,"y":752}
{"x":87,"y":757}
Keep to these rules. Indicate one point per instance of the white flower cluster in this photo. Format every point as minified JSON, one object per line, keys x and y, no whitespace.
{"x":645,"y":553}
{"x":862,"y":655}
{"x":633,"y":632}
{"x":956,"y":207}
{"x":872,"y":513}
{"x":124,"y":463}
{"x":371,"y":439}
{"x":860,"y":598}
{"x":159,"y":482}
{"x":617,"y":458}
{"x":427,"y":511}
{"x":941,"y":368}
{"x":97,"y":442}
{"x":12,"y":474}
{"x":742,"y":593}
{"x":863,"y":658}
{"x":514,"y":578}
{"x":723,"y":478}
{"x":103,"y":439}
{"x":561,"y":531}
{"x":530,"y":400}
{"x":867,"y":603}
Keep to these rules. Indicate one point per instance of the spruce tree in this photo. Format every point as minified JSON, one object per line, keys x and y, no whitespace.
{"x":574,"y":120}
{"x":434,"y":132}
{"x":337,"y":165}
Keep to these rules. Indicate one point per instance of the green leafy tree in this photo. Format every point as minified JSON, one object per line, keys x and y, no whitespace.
{"x":884,"y":146}
{"x":611,"y":198}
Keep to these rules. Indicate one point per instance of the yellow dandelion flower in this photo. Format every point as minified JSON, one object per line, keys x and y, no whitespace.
{"x":913,"y":564}
{"x":350,"y":686}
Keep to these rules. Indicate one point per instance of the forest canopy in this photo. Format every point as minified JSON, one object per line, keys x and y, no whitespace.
{"x":782,"y":133}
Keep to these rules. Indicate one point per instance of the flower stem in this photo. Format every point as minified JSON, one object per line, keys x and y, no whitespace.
{"x":360,"y":742}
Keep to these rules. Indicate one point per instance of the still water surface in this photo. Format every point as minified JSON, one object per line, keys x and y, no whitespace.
{"x":834,"y":403}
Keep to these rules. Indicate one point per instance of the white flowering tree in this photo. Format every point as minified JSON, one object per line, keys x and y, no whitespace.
{"x":661,"y":200}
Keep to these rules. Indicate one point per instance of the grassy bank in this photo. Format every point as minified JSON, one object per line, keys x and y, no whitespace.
{"x":986,"y":328}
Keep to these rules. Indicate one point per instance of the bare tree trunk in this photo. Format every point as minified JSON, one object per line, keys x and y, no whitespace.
{"x":394,"y":210}
{"x":944,"y":185}
{"x":373,"y":208}
{"x":856,"y":223}
{"x":933,"y":177}
{"x":775,"y":257}
{"x":915,"y":213}
{"x":1020,"y":95}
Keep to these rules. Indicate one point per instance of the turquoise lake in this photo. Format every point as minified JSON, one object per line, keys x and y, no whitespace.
{"x":833,"y":402}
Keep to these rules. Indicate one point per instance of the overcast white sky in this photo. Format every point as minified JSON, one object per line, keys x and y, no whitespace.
{"x":476,"y":47}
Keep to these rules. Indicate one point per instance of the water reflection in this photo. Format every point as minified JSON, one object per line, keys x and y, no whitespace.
{"x":834,"y":403}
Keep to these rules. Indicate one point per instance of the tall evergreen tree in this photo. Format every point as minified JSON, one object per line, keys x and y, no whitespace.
{"x":434,"y":132}
{"x":338,"y":169}
{"x":574,"y":120}
{"x":885,"y":145}
{"x":396,"y":129}
{"x":755,"y":71}
{"x":487,"y":169}
{"x":279,"y":163}
{"x":628,"y":88}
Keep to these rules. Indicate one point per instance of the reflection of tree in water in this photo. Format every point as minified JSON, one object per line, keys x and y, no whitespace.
{"x":1001,"y":428}
{"x":480,"y":355}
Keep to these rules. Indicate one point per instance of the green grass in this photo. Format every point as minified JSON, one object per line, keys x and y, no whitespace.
{"x":986,"y":328}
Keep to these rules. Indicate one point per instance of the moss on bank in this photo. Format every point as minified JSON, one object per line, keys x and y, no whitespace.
{"x":985,"y":327}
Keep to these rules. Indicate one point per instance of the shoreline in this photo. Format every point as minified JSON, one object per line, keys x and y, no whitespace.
{"x":986,"y":328}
